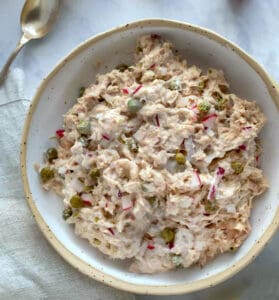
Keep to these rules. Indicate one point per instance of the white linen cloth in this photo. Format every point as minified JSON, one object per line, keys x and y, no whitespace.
{"x":30,"y":268}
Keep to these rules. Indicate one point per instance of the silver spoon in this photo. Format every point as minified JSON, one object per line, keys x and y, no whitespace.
{"x":37,"y":18}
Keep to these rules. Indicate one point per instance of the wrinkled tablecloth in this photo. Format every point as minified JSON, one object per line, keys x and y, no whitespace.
{"x":29,"y":267}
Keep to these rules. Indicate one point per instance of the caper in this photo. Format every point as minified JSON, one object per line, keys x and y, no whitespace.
{"x":81,"y":91}
{"x":152,"y":200}
{"x":94,"y":173}
{"x":134,"y":105}
{"x":209,"y":207}
{"x":46,"y":174}
{"x":67,"y":213}
{"x":204,"y":107}
{"x":180,"y":158}
{"x":96,"y":219}
{"x":167,"y":234}
{"x":51,"y":154}
{"x":220,"y":104}
{"x":96,"y":242}
{"x":122,"y":67}
{"x":76,"y":201}
{"x":237,"y":167}
{"x":83,"y":127}
{"x":88,"y":188}
{"x":174,"y":84}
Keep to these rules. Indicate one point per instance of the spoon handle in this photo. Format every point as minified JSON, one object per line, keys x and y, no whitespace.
{"x":11,"y":58}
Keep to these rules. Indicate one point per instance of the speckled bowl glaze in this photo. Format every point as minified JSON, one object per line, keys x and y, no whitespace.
{"x":57,"y":93}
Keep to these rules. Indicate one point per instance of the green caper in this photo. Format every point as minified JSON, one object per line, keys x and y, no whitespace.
{"x":83,"y":127}
{"x":174,"y":85}
{"x":51,"y":154}
{"x":88,"y":188}
{"x":122,"y":67}
{"x":220,"y":104}
{"x":67,"y":213}
{"x":167,"y":234}
{"x":96,"y":242}
{"x":46,"y":174}
{"x":76,"y":201}
{"x":94,"y":173}
{"x":96,"y":219}
{"x":134,"y":105}
{"x":204,"y":107}
{"x":209,"y":207}
{"x":152,"y":200}
{"x":81,"y":91}
{"x":139,"y":49}
{"x":237,"y":167}
{"x":180,"y":158}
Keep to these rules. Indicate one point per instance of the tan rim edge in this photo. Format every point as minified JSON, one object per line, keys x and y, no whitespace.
{"x":90,"y":270}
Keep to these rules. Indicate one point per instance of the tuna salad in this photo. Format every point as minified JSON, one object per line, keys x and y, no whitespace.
{"x":158,"y":162}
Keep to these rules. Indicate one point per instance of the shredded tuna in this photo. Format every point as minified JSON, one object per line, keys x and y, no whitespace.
{"x":157,"y":164}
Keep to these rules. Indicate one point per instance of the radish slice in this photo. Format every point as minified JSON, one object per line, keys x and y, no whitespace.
{"x":60,"y":133}
{"x":198,"y":178}
{"x":125,"y":91}
{"x":111,"y":231}
{"x":126,"y":203}
{"x":219,"y":173}
{"x":87,"y":203}
{"x":137,"y":89}
{"x":190,"y":147}
{"x":105,"y":136}
{"x":209,"y":121}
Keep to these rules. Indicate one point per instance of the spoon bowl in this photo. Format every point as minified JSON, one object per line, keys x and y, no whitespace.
{"x":37,"y":19}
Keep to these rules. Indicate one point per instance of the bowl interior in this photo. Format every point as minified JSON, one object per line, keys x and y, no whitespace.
{"x":59,"y":94}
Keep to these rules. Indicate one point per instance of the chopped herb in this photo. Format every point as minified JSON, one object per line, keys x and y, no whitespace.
{"x":174,"y":85}
{"x":81,"y":91}
{"x":67,"y":213}
{"x":177,"y":260}
{"x":122,"y":67}
{"x":83,"y":127}
{"x":132,"y":145}
{"x":84,"y":141}
{"x":220,"y":104}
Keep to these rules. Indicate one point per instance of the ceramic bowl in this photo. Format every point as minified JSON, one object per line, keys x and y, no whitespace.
{"x":58,"y":92}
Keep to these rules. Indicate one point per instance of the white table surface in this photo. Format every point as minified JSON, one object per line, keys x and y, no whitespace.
{"x":252,"y":24}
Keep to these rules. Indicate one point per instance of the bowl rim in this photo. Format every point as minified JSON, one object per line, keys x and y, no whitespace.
{"x":88,"y":269}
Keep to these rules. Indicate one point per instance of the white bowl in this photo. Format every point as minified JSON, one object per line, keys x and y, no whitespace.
{"x":58,"y":92}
